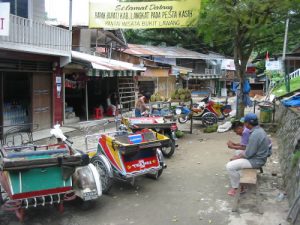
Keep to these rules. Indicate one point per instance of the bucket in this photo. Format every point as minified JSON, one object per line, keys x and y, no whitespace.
{"x":265,"y":114}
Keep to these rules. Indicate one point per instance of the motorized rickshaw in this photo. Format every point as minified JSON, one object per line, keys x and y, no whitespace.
{"x":204,"y":109}
{"x":158,"y":124}
{"x":124,"y":155}
{"x":39,"y":175}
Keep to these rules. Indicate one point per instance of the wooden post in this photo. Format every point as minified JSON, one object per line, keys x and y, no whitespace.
{"x":191,"y":127}
{"x":86,"y":101}
{"x":64,"y":96}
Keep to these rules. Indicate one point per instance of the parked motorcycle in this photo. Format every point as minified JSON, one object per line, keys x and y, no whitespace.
{"x":198,"y":112}
{"x":220,"y":109}
{"x":39,"y":175}
{"x":159,"y":125}
{"x":86,"y":179}
{"x":208,"y":111}
{"x":122,"y":155}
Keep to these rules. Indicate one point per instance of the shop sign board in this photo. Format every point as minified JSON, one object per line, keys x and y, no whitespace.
{"x":4,"y":18}
{"x":228,"y":64}
{"x":273,"y":65}
{"x":116,"y":14}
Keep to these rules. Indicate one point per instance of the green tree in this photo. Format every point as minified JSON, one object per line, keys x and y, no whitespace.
{"x":244,"y":26}
{"x":184,"y":37}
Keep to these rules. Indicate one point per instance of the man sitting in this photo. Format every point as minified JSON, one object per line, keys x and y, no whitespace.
{"x":255,"y":155}
{"x":239,"y":128}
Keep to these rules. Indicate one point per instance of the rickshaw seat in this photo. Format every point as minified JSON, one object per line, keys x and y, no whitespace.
{"x":149,"y":136}
{"x":123,"y":139}
{"x":37,"y":153}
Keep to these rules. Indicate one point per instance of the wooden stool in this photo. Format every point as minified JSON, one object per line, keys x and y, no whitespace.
{"x":248,"y":176}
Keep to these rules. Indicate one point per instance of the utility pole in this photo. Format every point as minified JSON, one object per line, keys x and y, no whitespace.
{"x":286,"y":75}
{"x":70,"y":15}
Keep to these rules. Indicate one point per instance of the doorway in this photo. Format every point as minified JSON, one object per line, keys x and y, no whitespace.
{"x":16,"y":98}
{"x":41,"y":100}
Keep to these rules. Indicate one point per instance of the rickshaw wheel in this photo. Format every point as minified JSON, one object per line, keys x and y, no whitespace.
{"x":106,"y":180}
{"x":156,"y":175}
{"x":209,"y":119}
{"x":169,"y":151}
{"x":20,"y":213}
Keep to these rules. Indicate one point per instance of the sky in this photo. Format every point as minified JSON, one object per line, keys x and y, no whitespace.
{"x":59,"y":9}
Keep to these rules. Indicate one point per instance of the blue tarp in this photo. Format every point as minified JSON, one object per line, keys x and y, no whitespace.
{"x":292,"y":102}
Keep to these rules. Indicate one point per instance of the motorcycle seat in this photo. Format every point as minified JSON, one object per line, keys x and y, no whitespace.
{"x":37,"y":153}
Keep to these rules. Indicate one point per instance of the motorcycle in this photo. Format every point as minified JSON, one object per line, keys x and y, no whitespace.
{"x":39,"y":175}
{"x":122,"y":155}
{"x":159,"y":125}
{"x":208,"y":111}
{"x":220,"y":109}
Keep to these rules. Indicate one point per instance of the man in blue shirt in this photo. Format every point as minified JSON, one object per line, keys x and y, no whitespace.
{"x":255,"y":155}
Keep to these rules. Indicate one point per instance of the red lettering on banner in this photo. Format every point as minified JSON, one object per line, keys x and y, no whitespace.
{"x":2,"y":23}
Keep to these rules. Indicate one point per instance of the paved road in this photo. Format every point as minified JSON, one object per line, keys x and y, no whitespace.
{"x":192,"y":190}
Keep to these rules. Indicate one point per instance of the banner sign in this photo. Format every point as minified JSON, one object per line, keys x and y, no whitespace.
{"x":227,"y":64}
{"x":143,"y":15}
{"x":273,"y":65}
{"x":4,"y":19}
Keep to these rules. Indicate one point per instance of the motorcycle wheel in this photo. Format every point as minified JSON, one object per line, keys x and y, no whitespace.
{"x":209,"y":119}
{"x":106,"y":180}
{"x":169,"y":151}
{"x":183,"y":119}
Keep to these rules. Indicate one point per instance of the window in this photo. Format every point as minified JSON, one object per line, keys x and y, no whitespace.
{"x":18,"y":7}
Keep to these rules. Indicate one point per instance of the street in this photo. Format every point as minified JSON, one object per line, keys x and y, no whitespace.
{"x":192,"y":190}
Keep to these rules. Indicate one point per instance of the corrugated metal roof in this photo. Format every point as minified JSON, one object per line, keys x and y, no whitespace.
{"x":101,"y":63}
{"x":169,"y":52}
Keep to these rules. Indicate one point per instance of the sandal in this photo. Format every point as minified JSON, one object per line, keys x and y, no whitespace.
{"x":232,"y":191}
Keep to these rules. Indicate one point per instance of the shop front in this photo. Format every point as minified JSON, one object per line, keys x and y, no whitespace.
{"x":157,"y":80}
{"x":115,"y":88}
{"x":25,"y":93}
{"x":95,"y":87}
{"x":87,"y":93}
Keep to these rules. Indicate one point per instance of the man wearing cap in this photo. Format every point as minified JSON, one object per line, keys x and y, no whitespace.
{"x":240,"y":129}
{"x":255,"y":155}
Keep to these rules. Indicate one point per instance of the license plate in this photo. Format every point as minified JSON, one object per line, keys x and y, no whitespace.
{"x":90,"y":195}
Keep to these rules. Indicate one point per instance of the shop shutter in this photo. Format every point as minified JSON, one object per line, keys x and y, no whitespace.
{"x":126,"y":93}
{"x":24,"y":66}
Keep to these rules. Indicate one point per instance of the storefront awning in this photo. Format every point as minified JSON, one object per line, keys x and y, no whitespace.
{"x":111,"y":73}
{"x":204,"y":76}
{"x":104,"y":64}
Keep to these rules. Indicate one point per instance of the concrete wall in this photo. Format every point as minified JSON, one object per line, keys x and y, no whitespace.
{"x":288,"y":134}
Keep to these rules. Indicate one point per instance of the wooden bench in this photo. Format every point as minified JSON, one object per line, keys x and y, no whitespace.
{"x":248,"y":176}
